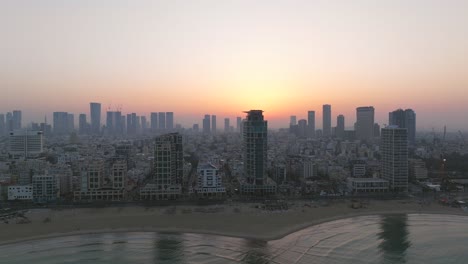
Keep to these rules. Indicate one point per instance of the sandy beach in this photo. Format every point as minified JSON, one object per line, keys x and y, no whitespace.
{"x":236,"y":219}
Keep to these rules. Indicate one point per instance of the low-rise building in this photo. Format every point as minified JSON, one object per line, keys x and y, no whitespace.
{"x":367,"y":185}
{"x":45,"y":188}
{"x":20,"y":192}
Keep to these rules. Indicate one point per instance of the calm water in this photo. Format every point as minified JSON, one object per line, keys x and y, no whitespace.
{"x":370,"y":239}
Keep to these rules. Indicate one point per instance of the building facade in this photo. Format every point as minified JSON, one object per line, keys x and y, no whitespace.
{"x":394,"y":152}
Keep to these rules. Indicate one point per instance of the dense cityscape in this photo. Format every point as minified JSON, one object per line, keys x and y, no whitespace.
{"x":129,"y":158}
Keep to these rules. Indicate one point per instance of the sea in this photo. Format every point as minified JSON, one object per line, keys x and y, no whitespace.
{"x":399,"y":238}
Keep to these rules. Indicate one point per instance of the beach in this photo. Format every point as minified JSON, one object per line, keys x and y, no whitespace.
{"x":246,"y":220}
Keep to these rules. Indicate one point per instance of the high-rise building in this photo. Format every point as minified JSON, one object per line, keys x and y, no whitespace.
{"x":226,"y":125}
{"x":154,"y":121}
{"x":129,"y":124}
{"x":255,"y":147}
{"x":326,"y":112}
{"x":376,"y":130}
{"x":162,"y":120}
{"x":206,"y":124}
{"x":213,"y":124}
{"x":2,"y":125}
{"x":196,"y":128}
{"x":61,"y":123}
{"x":71,"y":122}
{"x":17,"y":119}
{"x":404,"y":119}
{"x":118,"y":174}
{"x":302,"y":128}
{"x":144,"y":123}
{"x":25,"y":143}
{"x":394,"y":152}
{"x":365,"y":123}
{"x":114,"y":123}
{"x":255,"y":137}
{"x":311,"y":124}
{"x":9,"y":122}
{"x":239,"y":124}
{"x":292,"y":120}
{"x":168,"y":169}
{"x":170,"y":120}
{"x":340,"y":126}
{"x":82,"y":124}
{"x":95,"y":113}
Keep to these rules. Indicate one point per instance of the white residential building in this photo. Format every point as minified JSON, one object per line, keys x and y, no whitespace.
{"x":25,"y":143}
{"x":20,"y":192}
{"x":209,"y":181}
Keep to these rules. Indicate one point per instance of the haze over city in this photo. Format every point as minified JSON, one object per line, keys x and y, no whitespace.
{"x":219,"y":57}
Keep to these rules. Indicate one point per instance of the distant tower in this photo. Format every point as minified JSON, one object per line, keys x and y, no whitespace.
{"x":311,"y":124}
{"x":394,"y":150}
{"x":340,"y":126}
{"x":17,"y":119}
{"x":226,"y":125}
{"x":170,"y":120}
{"x":162,"y":120}
{"x":2,"y":125}
{"x":239,"y":124}
{"x":302,"y":128}
{"x":326,"y":112}
{"x":365,"y":123}
{"x":404,"y":119}
{"x":213,"y":124}
{"x":82,"y":124}
{"x":154,"y":121}
{"x":95,"y":112}
{"x":292,"y":120}
{"x":206,"y":124}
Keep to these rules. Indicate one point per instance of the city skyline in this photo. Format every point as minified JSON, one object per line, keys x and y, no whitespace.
{"x":225,"y":58}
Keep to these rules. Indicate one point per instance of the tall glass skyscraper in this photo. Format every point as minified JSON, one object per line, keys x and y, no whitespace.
{"x":95,"y":111}
{"x":404,"y":119}
{"x":326,"y":120}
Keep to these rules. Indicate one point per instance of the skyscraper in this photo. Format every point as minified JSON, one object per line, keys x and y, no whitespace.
{"x":17,"y":119}
{"x":144,"y":123}
{"x":292,"y":120}
{"x":213,"y":124}
{"x":302,"y":128}
{"x":82,"y":124}
{"x":226,"y":125}
{"x":239,"y":124}
{"x":2,"y":125}
{"x":95,"y":113}
{"x":206,"y":124}
{"x":365,"y":123}
{"x":114,"y":123}
{"x":71,"y":122}
{"x":255,"y":147}
{"x":326,"y":112}
{"x":61,"y":123}
{"x":404,"y":119}
{"x":170,"y":120}
{"x":9,"y":122}
{"x":162,"y":120}
{"x":168,"y":164}
{"x":340,"y":126}
{"x":311,"y":124}
{"x":394,"y":150}
{"x":154,"y":121}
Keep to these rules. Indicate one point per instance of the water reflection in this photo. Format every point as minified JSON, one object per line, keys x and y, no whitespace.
{"x":168,"y":249}
{"x":394,"y":235}
{"x":257,"y":252}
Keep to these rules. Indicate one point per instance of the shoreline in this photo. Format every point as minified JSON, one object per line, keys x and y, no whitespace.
{"x":294,"y":221}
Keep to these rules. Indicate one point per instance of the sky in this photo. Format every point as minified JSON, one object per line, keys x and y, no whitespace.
{"x":224,"y":57}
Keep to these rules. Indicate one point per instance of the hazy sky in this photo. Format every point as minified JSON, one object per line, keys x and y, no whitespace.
{"x":223,"y":57}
